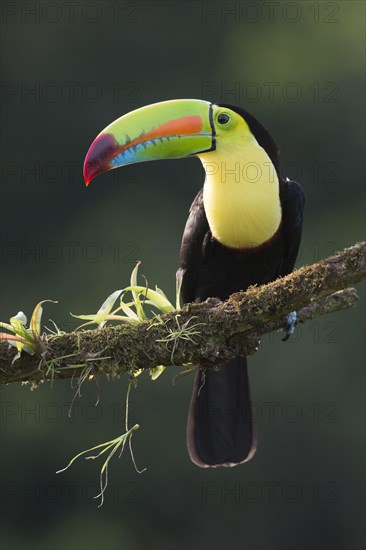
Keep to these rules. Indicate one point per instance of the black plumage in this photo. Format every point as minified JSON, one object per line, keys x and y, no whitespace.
{"x":220,"y":428}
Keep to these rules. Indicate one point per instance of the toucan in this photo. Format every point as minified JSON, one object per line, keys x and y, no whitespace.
{"x":243,"y":228}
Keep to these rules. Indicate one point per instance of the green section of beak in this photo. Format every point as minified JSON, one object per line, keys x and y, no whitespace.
{"x":171,"y":129}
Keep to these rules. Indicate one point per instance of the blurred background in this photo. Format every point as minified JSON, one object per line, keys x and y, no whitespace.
{"x":68,"y":70}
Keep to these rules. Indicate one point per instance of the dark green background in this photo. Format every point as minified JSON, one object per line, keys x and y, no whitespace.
{"x":305,"y":487}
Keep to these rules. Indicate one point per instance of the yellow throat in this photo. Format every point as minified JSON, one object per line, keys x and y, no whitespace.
{"x":241,"y":193}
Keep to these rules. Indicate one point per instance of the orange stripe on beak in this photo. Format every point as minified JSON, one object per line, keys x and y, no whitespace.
{"x":178,"y":127}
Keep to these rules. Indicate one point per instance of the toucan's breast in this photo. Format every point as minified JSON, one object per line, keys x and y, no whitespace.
{"x":241,"y":196}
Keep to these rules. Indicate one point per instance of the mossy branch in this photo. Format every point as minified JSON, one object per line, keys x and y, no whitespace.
{"x":222,"y":330}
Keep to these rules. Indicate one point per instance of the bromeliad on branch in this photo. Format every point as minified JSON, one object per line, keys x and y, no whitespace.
{"x":243,"y":228}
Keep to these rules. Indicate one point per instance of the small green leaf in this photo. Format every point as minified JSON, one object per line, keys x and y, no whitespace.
{"x":122,"y":318}
{"x":106,"y":307}
{"x":129,"y":311}
{"x":161,"y":292}
{"x":178,"y":288}
{"x":21,"y":330}
{"x":20,"y":316}
{"x":35,"y":322}
{"x":156,"y":372}
{"x":7,"y":326}
{"x":137,"y":373}
{"x":136,"y":297}
{"x":84,"y":317}
{"x":103,"y":312}
{"x":155,"y":297}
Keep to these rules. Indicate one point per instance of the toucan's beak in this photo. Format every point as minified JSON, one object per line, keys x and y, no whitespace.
{"x":168,"y":130}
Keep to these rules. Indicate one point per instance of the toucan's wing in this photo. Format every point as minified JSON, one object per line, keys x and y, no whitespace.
{"x":292,"y":202}
{"x":192,"y":252}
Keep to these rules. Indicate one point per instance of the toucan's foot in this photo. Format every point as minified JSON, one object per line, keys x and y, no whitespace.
{"x":290,"y":327}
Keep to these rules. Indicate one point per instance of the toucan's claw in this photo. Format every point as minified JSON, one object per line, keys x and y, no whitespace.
{"x":290,"y":326}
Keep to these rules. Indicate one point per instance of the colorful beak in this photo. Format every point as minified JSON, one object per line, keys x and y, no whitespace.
{"x":167,"y":130}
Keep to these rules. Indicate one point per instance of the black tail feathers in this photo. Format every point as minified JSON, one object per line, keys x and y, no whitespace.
{"x":220,"y":427}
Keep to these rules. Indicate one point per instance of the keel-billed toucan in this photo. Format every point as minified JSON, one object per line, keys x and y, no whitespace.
{"x":243,"y":228}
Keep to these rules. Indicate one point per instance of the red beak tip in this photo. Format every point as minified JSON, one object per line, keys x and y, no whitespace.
{"x":103,"y":148}
{"x":87,"y":178}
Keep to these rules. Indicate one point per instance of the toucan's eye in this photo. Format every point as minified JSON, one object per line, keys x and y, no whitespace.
{"x":223,"y":118}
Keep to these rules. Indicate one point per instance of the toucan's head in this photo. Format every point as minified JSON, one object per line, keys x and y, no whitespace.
{"x":174,"y":129}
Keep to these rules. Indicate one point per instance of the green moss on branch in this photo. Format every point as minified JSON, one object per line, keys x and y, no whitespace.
{"x":229,"y":328}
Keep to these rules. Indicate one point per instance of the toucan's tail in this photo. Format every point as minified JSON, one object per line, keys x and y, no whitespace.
{"x":220,"y":427}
